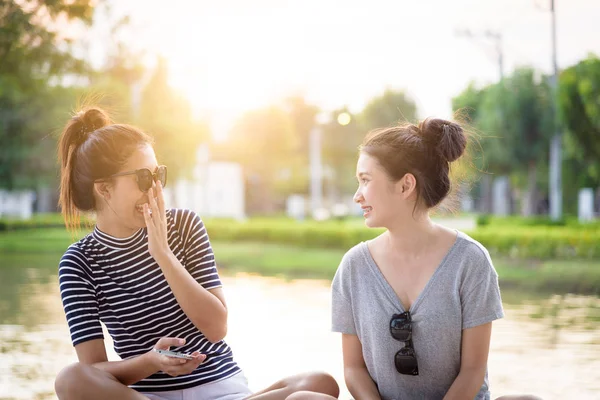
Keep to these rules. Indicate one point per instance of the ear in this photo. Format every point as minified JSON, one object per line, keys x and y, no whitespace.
{"x":407,"y":185}
{"x":103,"y":189}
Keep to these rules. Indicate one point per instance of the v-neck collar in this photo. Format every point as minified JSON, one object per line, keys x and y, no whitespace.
{"x":390,"y":290}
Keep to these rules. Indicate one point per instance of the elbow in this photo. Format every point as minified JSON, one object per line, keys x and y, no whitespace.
{"x":216,"y":333}
{"x":474,"y":374}
{"x":214,"y":328}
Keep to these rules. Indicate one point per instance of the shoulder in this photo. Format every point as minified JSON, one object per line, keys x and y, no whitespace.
{"x":75,"y":261}
{"x":351,"y":262}
{"x":182,"y":216}
{"x":187,"y":223}
{"x":183,"y":220}
{"x":474,"y":255}
{"x":471,"y":248}
{"x":355,"y":256}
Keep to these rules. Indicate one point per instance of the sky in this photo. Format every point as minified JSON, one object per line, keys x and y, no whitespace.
{"x":230,"y":56}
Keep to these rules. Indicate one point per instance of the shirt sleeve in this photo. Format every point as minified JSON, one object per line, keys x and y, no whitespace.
{"x":342,"y":316}
{"x":481,"y":300}
{"x":78,"y":296}
{"x":199,"y":256}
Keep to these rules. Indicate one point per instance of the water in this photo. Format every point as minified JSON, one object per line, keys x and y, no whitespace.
{"x":546,"y":345}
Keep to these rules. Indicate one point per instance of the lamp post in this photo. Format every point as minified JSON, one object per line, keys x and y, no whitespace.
{"x":556,"y":142}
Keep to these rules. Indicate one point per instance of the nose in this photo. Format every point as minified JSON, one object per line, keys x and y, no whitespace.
{"x":357,"y":196}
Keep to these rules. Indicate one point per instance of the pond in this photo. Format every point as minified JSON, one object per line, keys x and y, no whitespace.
{"x":548,"y":345}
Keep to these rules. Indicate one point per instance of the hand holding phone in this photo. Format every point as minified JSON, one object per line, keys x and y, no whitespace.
{"x":172,"y":362}
{"x":174,"y":354}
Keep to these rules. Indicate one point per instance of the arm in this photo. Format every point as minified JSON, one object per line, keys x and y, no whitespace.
{"x":206,"y":308}
{"x":357,"y":378}
{"x":473,"y":364}
{"x":126,"y":371}
{"x":135,"y":369}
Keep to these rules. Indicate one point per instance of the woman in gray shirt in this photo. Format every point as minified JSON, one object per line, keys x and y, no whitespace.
{"x":415,"y":305}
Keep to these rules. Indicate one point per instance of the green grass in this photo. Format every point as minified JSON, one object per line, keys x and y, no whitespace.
{"x":548,"y":276}
{"x":274,"y":259}
{"x":47,"y":240}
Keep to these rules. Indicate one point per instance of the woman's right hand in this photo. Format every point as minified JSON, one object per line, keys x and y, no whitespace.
{"x":171,"y":365}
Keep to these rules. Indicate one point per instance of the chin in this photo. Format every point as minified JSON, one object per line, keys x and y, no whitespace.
{"x":371,"y":223}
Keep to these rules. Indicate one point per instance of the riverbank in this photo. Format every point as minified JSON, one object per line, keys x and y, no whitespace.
{"x":271,"y":259}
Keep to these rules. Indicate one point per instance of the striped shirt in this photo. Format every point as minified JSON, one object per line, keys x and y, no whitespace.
{"x":116,"y":281}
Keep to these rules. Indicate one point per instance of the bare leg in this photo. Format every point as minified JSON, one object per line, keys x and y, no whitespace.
{"x":309,"y":396}
{"x":519,"y":397}
{"x":81,"y":381}
{"x":319,"y":384}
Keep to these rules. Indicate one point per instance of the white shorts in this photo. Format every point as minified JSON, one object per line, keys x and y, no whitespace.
{"x":232,"y":388}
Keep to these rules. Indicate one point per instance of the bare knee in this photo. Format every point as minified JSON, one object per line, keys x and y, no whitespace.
{"x":75,"y":380}
{"x":67,"y":381}
{"x":317,"y":382}
{"x":305,"y":395}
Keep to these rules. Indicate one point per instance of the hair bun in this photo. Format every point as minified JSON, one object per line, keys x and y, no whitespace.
{"x":87,"y":121}
{"x":446,"y":137}
{"x":92,"y":119}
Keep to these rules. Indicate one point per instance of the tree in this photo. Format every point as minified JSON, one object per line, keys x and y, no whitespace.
{"x":33,"y":56}
{"x":515,"y":120}
{"x":167,"y":116}
{"x":469,"y":104}
{"x":579,"y":110}
{"x":340,"y":150}
{"x":525,"y":127}
{"x":302,"y":118}
{"x":388,"y":109}
{"x":263,"y":142}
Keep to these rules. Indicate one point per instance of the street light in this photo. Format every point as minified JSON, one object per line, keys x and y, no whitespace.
{"x":344,"y":118}
{"x":556,"y":143}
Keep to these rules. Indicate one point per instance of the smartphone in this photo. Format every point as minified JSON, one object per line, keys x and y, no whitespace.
{"x":175,"y":354}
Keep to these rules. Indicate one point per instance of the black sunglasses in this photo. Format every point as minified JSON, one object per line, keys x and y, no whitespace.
{"x":401,"y":330}
{"x":145,"y":177}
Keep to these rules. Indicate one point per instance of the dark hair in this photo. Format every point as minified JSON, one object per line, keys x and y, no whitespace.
{"x":425,"y":150}
{"x":91,"y":147}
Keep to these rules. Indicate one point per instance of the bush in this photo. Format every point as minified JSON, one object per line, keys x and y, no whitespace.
{"x":540,"y":242}
{"x":484,"y":220}
{"x":512,"y":237}
{"x":50,"y":220}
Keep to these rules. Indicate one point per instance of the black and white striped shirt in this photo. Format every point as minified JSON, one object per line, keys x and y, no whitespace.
{"x":116,"y":281}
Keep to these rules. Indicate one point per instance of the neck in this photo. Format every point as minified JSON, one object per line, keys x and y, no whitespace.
{"x":111,"y":225}
{"x":413,"y":235}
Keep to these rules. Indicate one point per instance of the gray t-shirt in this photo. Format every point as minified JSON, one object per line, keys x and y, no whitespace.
{"x":462,"y":293}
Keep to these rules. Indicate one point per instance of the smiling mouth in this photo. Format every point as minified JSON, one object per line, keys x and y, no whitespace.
{"x":140,"y":208}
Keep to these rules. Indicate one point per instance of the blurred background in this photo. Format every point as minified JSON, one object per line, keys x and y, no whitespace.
{"x":257,"y":108}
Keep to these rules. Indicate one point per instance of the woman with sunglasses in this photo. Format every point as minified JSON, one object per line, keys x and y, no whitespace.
{"x":415,"y":305}
{"x":149,"y":275}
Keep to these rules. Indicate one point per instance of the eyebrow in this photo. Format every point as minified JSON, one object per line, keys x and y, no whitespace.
{"x":362,"y":174}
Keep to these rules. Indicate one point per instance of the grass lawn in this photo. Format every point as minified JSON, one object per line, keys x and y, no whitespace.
{"x":552,"y":276}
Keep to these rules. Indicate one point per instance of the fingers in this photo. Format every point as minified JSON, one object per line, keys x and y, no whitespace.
{"x":153,"y":205}
{"x":148,"y":219}
{"x":167,"y":361}
{"x":187,"y":366}
{"x":165,"y":342}
{"x":161,"y":201}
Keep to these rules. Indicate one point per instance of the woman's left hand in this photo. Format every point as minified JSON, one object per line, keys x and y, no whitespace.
{"x":156,"y":223}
